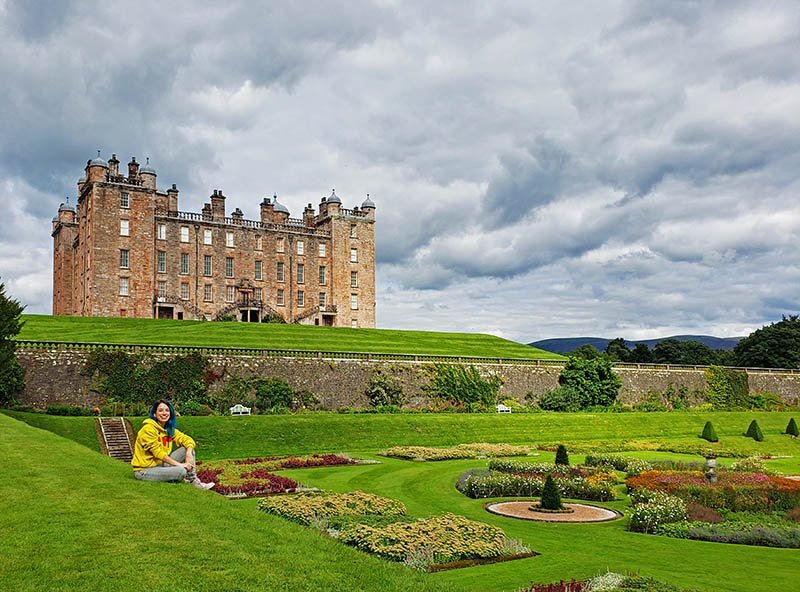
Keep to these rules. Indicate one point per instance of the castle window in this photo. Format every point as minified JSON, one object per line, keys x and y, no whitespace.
{"x":229,"y":239}
{"x":259,"y":243}
{"x":258,"y":270}
{"x":279,"y":298}
{"x":184,"y":291}
{"x":184,"y":234}
{"x":353,"y":301}
{"x":230,"y":293}
{"x":301,"y":298}
{"x":124,"y":228}
{"x":323,"y":250}
{"x":353,"y":230}
{"x":301,"y":273}
{"x":279,"y":245}
{"x":123,"y":286}
{"x":124,"y":256}
{"x":124,"y":200}
{"x":207,"y":265}
{"x":322,"y":274}
{"x":354,"y":324}
{"x":322,"y":299}
{"x":257,"y":293}
{"x":353,"y":255}
{"x":162,"y":262}
{"x":162,"y":289}
{"x":206,"y":237}
{"x":184,"y":263}
{"x":354,"y":279}
{"x":207,"y":293}
{"x":301,"y":248}
{"x":229,"y":267}
{"x":162,"y":232}
{"x":279,"y":271}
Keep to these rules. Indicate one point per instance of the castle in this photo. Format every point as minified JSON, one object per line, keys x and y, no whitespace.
{"x":126,"y":250}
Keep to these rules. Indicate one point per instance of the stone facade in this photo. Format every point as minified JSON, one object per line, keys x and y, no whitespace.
{"x":126,"y":250}
{"x":54,"y":377}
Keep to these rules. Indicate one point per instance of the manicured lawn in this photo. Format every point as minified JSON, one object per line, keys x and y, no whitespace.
{"x":272,"y":336}
{"x":76,"y":520}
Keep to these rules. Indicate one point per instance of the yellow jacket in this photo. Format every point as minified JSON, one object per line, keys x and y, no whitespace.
{"x":153,"y":444}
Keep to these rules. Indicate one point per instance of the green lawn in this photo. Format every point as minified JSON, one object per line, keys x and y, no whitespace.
{"x":272,"y":336}
{"x":76,"y":520}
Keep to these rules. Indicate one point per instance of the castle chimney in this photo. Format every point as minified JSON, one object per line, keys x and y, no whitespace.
{"x":113,"y":166}
{"x":133,"y":169}
{"x":206,"y":211}
{"x":172,"y":198}
{"x":237,"y":216}
{"x":217,"y":205}
{"x":266,"y":211}
{"x":308,"y":216}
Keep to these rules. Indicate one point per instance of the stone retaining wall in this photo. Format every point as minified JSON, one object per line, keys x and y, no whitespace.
{"x":54,"y":377}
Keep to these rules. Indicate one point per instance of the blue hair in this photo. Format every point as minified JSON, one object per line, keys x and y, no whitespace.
{"x":171,"y":422}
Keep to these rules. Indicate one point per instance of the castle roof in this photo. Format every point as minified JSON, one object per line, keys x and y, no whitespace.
{"x":367,"y":203}
{"x":333,"y":197}
{"x":279,"y":207}
{"x":147,"y":168}
{"x":65,"y":207}
{"x":98,"y":161}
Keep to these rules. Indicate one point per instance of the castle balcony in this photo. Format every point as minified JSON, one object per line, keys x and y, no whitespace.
{"x":352,"y":213}
{"x":123,"y":180}
{"x":328,"y":310}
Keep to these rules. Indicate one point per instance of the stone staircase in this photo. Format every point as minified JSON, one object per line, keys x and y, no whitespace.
{"x":115,"y":435}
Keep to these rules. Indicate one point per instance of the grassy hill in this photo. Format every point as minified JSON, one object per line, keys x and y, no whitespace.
{"x":272,"y":336}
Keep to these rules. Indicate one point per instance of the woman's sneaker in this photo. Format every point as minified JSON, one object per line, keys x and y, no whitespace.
{"x":200,"y":485}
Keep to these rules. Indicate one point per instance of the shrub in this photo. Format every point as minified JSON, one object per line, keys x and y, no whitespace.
{"x":561,"y":398}
{"x":461,"y":451}
{"x":68,"y":410}
{"x":751,"y":464}
{"x":384,"y":389}
{"x":562,"y":458}
{"x":511,"y":485}
{"x":303,"y":507}
{"x":727,"y":388}
{"x":700,"y":513}
{"x":273,"y":395}
{"x":754,"y":431}
{"x":12,"y":375}
{"x":661,"y":508}
{"x":791,"y":428}
{"x":551,"y":498}
{"x":463,"y":384}
{"x":593,"y":381}
{"x":709,"y":433}
{"x":192,"y":407}
{"x":755,"y":534}
{"x":794,"y":514}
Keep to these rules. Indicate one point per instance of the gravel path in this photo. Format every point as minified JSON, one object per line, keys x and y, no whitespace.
{"x":582,"y":512}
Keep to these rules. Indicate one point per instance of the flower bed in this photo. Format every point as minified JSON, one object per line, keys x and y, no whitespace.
{"x":310,"y":507}
{"x":424,"y":453}
{"x":544,"y":468}
{"x":252,"y":477}
{"x":755,"y":492}
{"x":512,"y":485}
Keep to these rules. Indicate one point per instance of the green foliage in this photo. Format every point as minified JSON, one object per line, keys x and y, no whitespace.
{"x":384,"y":389}
{"x":727,"y":388}
{"x":273,"y":395}
{"x":709,"y":433}
{"x":772,"y":346}
{"x":463,"y":384}
{"x":640,"y":354}
{"x":617,"y":350}
{"x":68,"y":410}
{"x":551,"y":497}
{"x":562,"y":458}
{"x":593,"y":382}
{"x":791,"y":428}
{"x":269,"y":395}
{"x":754,"y":431}
{"x":561,"y":398}
{"x":12,"y":375}
{"x":585,"y":352}
{"x":691,"y":353}
{"x":652,"y":402}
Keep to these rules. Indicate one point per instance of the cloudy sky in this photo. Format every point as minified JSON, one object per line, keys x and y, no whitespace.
{"x":544,"y":169}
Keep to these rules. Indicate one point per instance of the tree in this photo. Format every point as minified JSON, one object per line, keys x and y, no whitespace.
{"x":791,"y":428}
{"x":691,"y":353}
{"x":562,"y":457}
{"x":772,"y":346}
{"x":592,"y":381}
{"x":754,"y":431}
{"x":585,"y":352}
{"x":617,"y":350}
{"x":641,"y":354}
{"x":709,"y":433}
{"x":551,"y":496}
{"x":12,"y":375}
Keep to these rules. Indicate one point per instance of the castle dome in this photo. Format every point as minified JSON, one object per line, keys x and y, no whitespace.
{"x":147,"y":168}
{"x":279,"y":207}
{"x":65,"y":207}
{"x":98,"y":161}
{"x":367,"y":203}
{"x":334,"y":198}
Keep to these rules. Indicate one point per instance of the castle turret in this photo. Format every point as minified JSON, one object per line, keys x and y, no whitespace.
{"x":217,"y":205}
{"x":96,"y":170}
{"x":148,"y":175}
{"x":66,"y":213}
{"x":281,"y":214}
{"x":172,"y":198}
{"x":334,"y":203}
{"x":368,"y":207}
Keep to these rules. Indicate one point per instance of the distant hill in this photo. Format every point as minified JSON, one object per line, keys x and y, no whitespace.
{"x":567,"y":344}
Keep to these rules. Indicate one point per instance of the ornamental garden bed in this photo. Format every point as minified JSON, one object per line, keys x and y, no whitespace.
{"x":253,"y":477}
{"x":475,"y":450}
{"x":380,"y":526}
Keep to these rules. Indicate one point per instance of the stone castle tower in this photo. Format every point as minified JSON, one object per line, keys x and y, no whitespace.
{"x":126,"y":250}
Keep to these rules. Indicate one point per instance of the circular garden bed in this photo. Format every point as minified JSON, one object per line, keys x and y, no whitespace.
{"x":580,"y":512}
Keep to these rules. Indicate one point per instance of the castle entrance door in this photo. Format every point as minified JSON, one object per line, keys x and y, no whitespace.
{"x":166,"y":312}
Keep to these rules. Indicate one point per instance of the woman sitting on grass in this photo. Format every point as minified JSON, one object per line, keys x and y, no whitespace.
{"x":153,"y":457}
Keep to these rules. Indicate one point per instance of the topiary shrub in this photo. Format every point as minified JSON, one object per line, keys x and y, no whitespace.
{"x":709,"y":433}
{"x":754,"y":432}
{"x":791,"y":428}
{"x":551,"y":497}
{"x":562,"y":458}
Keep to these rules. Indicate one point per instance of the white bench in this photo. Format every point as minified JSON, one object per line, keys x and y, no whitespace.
{"x":503,"y":408}
{"x":240,"y":409}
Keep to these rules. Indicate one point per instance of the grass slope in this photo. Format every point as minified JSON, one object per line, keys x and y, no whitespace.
{"x":76,"y":520}
{"x":272,"y":336}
